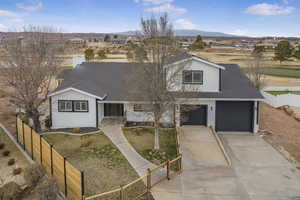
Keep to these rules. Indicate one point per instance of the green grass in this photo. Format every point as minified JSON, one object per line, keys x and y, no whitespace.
{"x":290,"y":72}
{"x":142,"y":139}
{"x":282,"y":72}
{"x":105,"y":168}
{"x":283,"y":92}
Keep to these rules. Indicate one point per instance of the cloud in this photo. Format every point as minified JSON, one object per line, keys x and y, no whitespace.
{"x":168,"y":8}
{"x":15,"y":20}
{"x":32,"y":7}
{"x":269,"y":9}
{"x":185,"y":24}
{"x":3,"y":27}
{"x":154,"y":2}
{"x":6,"y":13}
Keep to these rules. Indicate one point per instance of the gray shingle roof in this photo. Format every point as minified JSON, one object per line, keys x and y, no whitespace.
{"x":101,"y":78}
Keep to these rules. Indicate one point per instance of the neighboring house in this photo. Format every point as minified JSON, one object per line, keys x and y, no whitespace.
{"x":221,"y":97}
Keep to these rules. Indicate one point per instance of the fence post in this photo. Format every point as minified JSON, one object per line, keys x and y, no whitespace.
{"x":17,"y":128}
{"x":122,"y":196}
{"x":23,"y":135}
{"x":180,"y":163}
{"x":65,"y":177}
{"x":168,"y":169}
{"x":82,"y":184}
{"x":31,"y":143}
{"x":51,"y":159}
{"x":149,"y":180}
{"x":41,"y":151}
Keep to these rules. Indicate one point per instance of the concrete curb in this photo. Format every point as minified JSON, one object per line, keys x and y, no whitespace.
{"x":221,"y":145}
{"x":13,"y":139}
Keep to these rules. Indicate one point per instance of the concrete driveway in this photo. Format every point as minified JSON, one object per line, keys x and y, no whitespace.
{"x":258,"y":172}
{"x":264,"y":173}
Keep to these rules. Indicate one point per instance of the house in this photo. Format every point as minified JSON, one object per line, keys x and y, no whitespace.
{"x":222,"y":96}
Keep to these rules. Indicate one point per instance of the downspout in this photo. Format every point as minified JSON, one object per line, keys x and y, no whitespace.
{"x":97,"y":114}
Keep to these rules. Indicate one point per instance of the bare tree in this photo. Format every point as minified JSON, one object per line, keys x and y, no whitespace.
{"x":30,"y":61}
{"x":255,"y":67}
{"x":151,"y":80}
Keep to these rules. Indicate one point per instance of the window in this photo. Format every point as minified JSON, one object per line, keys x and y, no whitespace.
{"x":141,"y":107}
{"x":73,"y":106}
{"x":80,"y":106}
{"x":65,"y":106}
{"x":193,"y":77}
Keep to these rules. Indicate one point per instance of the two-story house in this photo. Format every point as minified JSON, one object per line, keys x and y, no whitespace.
{"x":222,"y":96}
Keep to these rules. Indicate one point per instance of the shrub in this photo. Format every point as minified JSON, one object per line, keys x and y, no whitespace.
{"x":17,"y":171}
{"x":2,"y":145}
{"x":6,"y":153}
{"x":33,"y":174}
{"x":47,"y":189}
{"x":10,"y":191}
{"x":48,"y":122}
{"x":11,"y":162}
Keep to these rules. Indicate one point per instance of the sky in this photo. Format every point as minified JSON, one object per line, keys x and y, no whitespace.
{"x":240,"y":17}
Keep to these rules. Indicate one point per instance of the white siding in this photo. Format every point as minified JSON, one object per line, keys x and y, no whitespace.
{"x":133,"y":116}
{"x":73,"y":119}
{"x":210,"y":78}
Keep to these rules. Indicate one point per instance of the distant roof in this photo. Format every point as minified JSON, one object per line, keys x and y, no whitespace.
{"x":108,"y":79}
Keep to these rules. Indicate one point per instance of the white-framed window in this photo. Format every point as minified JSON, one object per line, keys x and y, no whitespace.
{"x":141,"y":107}
{"x":65,"y":106}
{"x":192,"y":77}
{"x":81,"y":106}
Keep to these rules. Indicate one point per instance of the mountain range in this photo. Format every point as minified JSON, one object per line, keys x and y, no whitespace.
{"x":189,"y":32}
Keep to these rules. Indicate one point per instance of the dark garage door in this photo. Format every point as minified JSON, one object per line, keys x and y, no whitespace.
{"x":234,"y":116}
{"x":193,"y":115}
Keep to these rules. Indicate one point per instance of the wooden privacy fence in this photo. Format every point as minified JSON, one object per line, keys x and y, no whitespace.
{"x":154,"y":176}
{"x":69,"y":179}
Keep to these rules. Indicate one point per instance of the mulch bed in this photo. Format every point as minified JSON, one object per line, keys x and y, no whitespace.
{"x":75,"y":130}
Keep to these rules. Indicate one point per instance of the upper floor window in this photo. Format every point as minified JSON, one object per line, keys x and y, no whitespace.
{"x":192,"y":77}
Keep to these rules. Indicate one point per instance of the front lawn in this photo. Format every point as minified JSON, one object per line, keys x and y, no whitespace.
{"x":142,"y":139}
{"x":105,"y":168}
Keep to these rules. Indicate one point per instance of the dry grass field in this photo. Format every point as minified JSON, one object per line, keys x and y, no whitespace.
{"x":286,"y":73}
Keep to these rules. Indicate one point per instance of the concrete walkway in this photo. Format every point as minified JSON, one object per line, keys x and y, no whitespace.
{"x":115,"y":134}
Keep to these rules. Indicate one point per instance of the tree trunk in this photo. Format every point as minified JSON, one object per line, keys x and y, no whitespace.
{"x":156,"y":135}
{"x":35,"y":116}
{"x":36,"y":122}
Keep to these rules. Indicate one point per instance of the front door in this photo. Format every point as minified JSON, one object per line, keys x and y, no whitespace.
{"x":113,"y":110}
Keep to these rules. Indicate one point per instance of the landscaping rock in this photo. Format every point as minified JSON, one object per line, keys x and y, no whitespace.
{"x":10,"y":191}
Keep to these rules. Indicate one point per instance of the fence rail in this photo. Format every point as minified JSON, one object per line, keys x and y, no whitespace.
{"x":121,"y":193}
{"x":69,"y":179}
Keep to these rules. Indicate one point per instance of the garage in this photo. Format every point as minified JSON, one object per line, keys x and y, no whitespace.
{"x":193,"y":115}
{"x":234,"y":116}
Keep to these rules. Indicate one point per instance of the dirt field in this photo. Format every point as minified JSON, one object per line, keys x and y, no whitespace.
{"x":7,"y":114}
{"x":284,"y":128}
{"x":6,"y":174}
